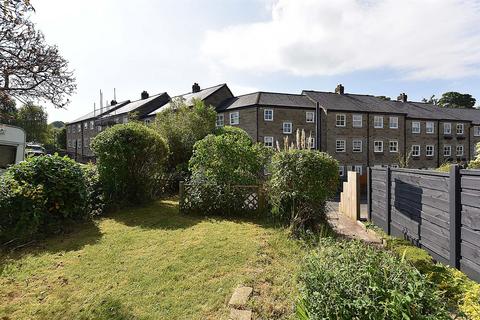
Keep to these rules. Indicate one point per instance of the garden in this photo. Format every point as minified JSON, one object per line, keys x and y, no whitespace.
{"x":112,"y":241}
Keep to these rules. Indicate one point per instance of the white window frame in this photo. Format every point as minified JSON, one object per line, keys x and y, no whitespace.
{"x":393,"y":124}
{"x":312,"y":142}
{"x":447,"y":128}
{"x":416,"y":147}
{"x":285,"y":125}
{"x":429,"y":150}
{"x":357,"y":120}
{"x":378,"y":122}
{"x":79,"y":144}
{"x":99,"y":128}
{"x":85,"y":125}
{"x":340,"y":142}
{"x":339,"y":119}
{"x":220,"y":120}
{"x":359,"y":169}
{"x":341,"y":171}
{"x":378,"y":146}
{"x":430,"y":127}
{"x":393,"y":143}
{"x":92,"y":124}
{"x":267,"y":140}
{"x":79,"y":127}
{"x":147,"y":121}
{"x":234,"y":118}
{"x":310,"y":119}
{"x":416,"y":125}
{"x":462,"y":131}
{"x":476,"y":131}
{"x":125,"y":119}
{"x":359,"y":147}
{"x":268,"y":112}
{"x":449,"y":148}
{"x":460,"y":147}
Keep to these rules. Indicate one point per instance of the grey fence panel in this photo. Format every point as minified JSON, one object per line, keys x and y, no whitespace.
{"x":378,"y":197}
{"x":470,"y":224}
{"x":437,"y":211}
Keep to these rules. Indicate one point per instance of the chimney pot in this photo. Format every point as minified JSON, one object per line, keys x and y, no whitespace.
{"x":144,"y":94}
{"x":340,"y":89}
{"x":195,"y":88}
{"x":402,"y":97}
{"x":113,"y":102}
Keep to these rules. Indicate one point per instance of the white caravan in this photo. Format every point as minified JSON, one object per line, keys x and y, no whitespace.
{"x":12,"y":145}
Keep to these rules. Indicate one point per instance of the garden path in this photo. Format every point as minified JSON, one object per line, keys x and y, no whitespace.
{"x":348,"y":228}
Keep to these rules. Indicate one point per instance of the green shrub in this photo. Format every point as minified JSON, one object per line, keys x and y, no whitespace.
{"x":475,"y":164}
{"x":95,"y":196}
{"x":444,"y":168}
{"x":182,"y":126}
{"x":130,"y":160}
{"x":39,"y":195}
{"x":220,"y":163}
{"x":300,"y":184}
{"x":349,"y":280}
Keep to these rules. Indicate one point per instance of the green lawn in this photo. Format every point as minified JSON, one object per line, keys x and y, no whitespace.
{"x":151,"y":263}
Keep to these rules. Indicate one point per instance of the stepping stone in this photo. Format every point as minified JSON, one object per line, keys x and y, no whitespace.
{"x":240,"y":296}
{"x":236,"y":314}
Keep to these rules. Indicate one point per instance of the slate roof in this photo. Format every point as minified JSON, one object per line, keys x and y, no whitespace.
{"x":466,"y":114}
{"x":134,"y":105}
{"x":369,"y":103}
{"x":267,"y":99}
{"x":93,"y":115}
{"x":189,"y":97}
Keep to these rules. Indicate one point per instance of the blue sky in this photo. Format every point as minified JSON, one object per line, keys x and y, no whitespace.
{"x":380,"y":47}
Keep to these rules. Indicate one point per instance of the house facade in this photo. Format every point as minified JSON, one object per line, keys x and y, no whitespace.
{"x":357,"y":130}
{"x":81,"y":131}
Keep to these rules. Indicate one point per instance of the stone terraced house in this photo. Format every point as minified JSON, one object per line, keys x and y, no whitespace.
{"x":358,"y":130}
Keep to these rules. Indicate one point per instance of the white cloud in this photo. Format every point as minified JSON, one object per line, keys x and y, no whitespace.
{"x":423,"y":39}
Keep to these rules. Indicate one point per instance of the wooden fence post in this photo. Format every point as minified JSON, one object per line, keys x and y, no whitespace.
{"x":369,"y":194}
{"x":388,"y":199}
{"x":455,"y":209}
{"x":181,"y":193}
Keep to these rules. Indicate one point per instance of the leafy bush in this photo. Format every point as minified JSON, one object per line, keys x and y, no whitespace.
{"x":220,"y":163}
{"x":300,"y":184}
{"x":130,"y":160}
{"x":349,"y":280}
{"x":444,"y":168}
{"x":39,"y":195}
{"x":460,"y":293}
{"x":182,"y":126}
{"x":475,"y":164}
{"x":95,"y":196}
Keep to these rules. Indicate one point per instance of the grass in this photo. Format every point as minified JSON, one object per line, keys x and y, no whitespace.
{"x":151,"y":263}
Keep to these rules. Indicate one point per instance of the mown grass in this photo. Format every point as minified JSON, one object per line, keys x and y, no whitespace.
{"x":152,"y":263}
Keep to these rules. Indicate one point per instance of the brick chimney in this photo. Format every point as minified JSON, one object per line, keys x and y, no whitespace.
{"x":402,"y":97}
{"x":340,"y":89}
{"x":195,"y":88}
{"x":144,"y":95}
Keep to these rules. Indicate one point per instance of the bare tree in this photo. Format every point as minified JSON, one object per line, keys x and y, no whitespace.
{"x":30,"y":69}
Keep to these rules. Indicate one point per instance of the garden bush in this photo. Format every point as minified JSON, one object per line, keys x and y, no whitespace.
{"x":475,"y":164}
{"x":220,"y":163}
{"x":349,"y":280}
{"x":182,"y":126}
{"x":130,"y":162}
{"x":301,"y":181}
{"x":39,"y":196}
{"x":95,"y":204}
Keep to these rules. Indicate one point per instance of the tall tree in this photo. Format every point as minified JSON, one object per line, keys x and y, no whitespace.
{"x":456,"y":100}
{"x":8,"y":109}
{"x":33,"y":119}
{"x":30,"y":69}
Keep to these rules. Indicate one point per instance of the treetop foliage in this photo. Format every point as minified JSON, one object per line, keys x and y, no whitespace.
{"x":456,"y":100}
